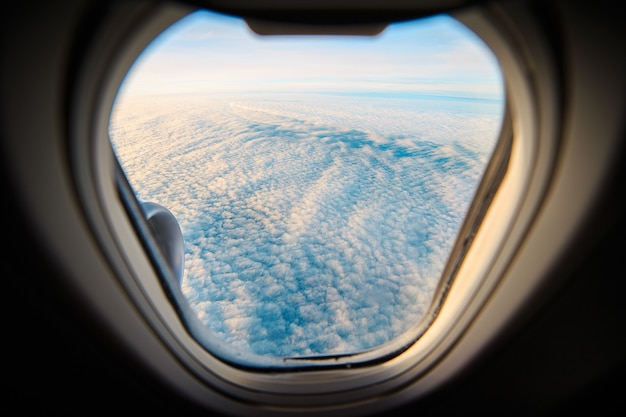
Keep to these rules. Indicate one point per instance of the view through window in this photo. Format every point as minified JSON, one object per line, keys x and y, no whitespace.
{"x":319,"y":181}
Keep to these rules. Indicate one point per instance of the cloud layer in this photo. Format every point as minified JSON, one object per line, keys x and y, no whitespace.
{"x":312,"y":226}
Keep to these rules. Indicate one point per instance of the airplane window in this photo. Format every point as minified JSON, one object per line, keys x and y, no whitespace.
{"x":320,"y":182}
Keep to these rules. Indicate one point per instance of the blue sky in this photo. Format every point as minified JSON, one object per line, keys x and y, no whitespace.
{"x":320,"y":183}
{"x":211,"y":53}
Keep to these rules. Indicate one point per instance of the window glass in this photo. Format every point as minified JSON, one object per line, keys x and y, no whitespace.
{"x":320,"y":182}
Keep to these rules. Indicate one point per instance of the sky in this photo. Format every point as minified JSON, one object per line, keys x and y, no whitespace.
{"x":211,"y":53}
{"x":319,"y":183}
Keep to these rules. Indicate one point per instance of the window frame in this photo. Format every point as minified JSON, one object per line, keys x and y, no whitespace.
{"x":482,"y":269}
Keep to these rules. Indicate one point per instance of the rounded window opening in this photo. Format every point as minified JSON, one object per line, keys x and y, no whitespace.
{"x":321,"y":183}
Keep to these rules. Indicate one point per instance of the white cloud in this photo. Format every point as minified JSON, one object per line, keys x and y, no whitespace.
{"x":311,"y":226}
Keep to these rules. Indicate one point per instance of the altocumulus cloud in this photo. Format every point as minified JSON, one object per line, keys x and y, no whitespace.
{"x":311,"y":227}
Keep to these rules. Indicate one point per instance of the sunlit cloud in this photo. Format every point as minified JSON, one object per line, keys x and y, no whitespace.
{"x":311,"y":227}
